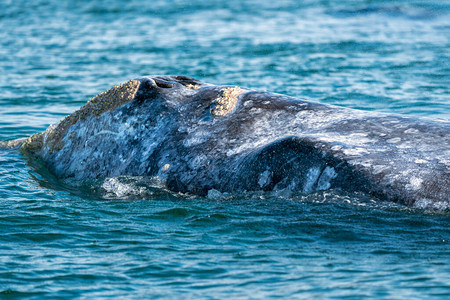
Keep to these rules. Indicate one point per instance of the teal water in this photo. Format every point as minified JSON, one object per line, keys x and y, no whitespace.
{"x":132,"y":241}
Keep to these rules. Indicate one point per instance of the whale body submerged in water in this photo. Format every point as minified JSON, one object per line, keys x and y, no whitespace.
{"x":197,"y":137}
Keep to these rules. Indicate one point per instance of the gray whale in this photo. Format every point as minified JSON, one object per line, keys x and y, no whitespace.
{"x":197,"y":137}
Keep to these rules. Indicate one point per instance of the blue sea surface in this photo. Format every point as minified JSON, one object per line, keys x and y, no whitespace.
{"x":132,"y":241}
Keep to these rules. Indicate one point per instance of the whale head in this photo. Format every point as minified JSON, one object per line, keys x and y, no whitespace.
{"x":143,"y":113}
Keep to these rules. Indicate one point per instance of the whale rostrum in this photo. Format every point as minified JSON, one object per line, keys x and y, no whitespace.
{"x":197,"y":137}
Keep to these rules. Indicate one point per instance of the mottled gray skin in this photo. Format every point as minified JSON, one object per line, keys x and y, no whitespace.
{"x":267,"y":142}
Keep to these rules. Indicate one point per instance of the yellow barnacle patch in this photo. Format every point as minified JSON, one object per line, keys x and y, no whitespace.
{"x":226,"y":102}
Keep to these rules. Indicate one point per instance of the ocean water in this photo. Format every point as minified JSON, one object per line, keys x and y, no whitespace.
{"x":129,"y":241}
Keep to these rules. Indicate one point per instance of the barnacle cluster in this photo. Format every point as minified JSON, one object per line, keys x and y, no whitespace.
{"x":109,"y":100}
{"x":193,"y":86}
{"x":106,"y":101}
{"x":33,"y":143}
{"x":226,"y":102}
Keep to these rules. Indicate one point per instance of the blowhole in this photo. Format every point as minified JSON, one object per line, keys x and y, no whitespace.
{"x":163,"y":84}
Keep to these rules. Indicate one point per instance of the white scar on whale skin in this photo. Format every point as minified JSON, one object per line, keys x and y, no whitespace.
{"x":394,"y":140}
{"x":324,"y":180}
{"x":311,"y":179}
{"x":196,"y":138}
{"x":264,"y":178}
{"x":415,"y":183}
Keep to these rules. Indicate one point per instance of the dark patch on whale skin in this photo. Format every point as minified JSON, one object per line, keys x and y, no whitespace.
{"x":287,"y":161}
{"x":263,"y":141}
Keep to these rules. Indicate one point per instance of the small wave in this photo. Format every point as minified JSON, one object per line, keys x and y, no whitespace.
{"x":400,"y":11}
{"x":14,"y":293}
{"x":176,"y":212}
